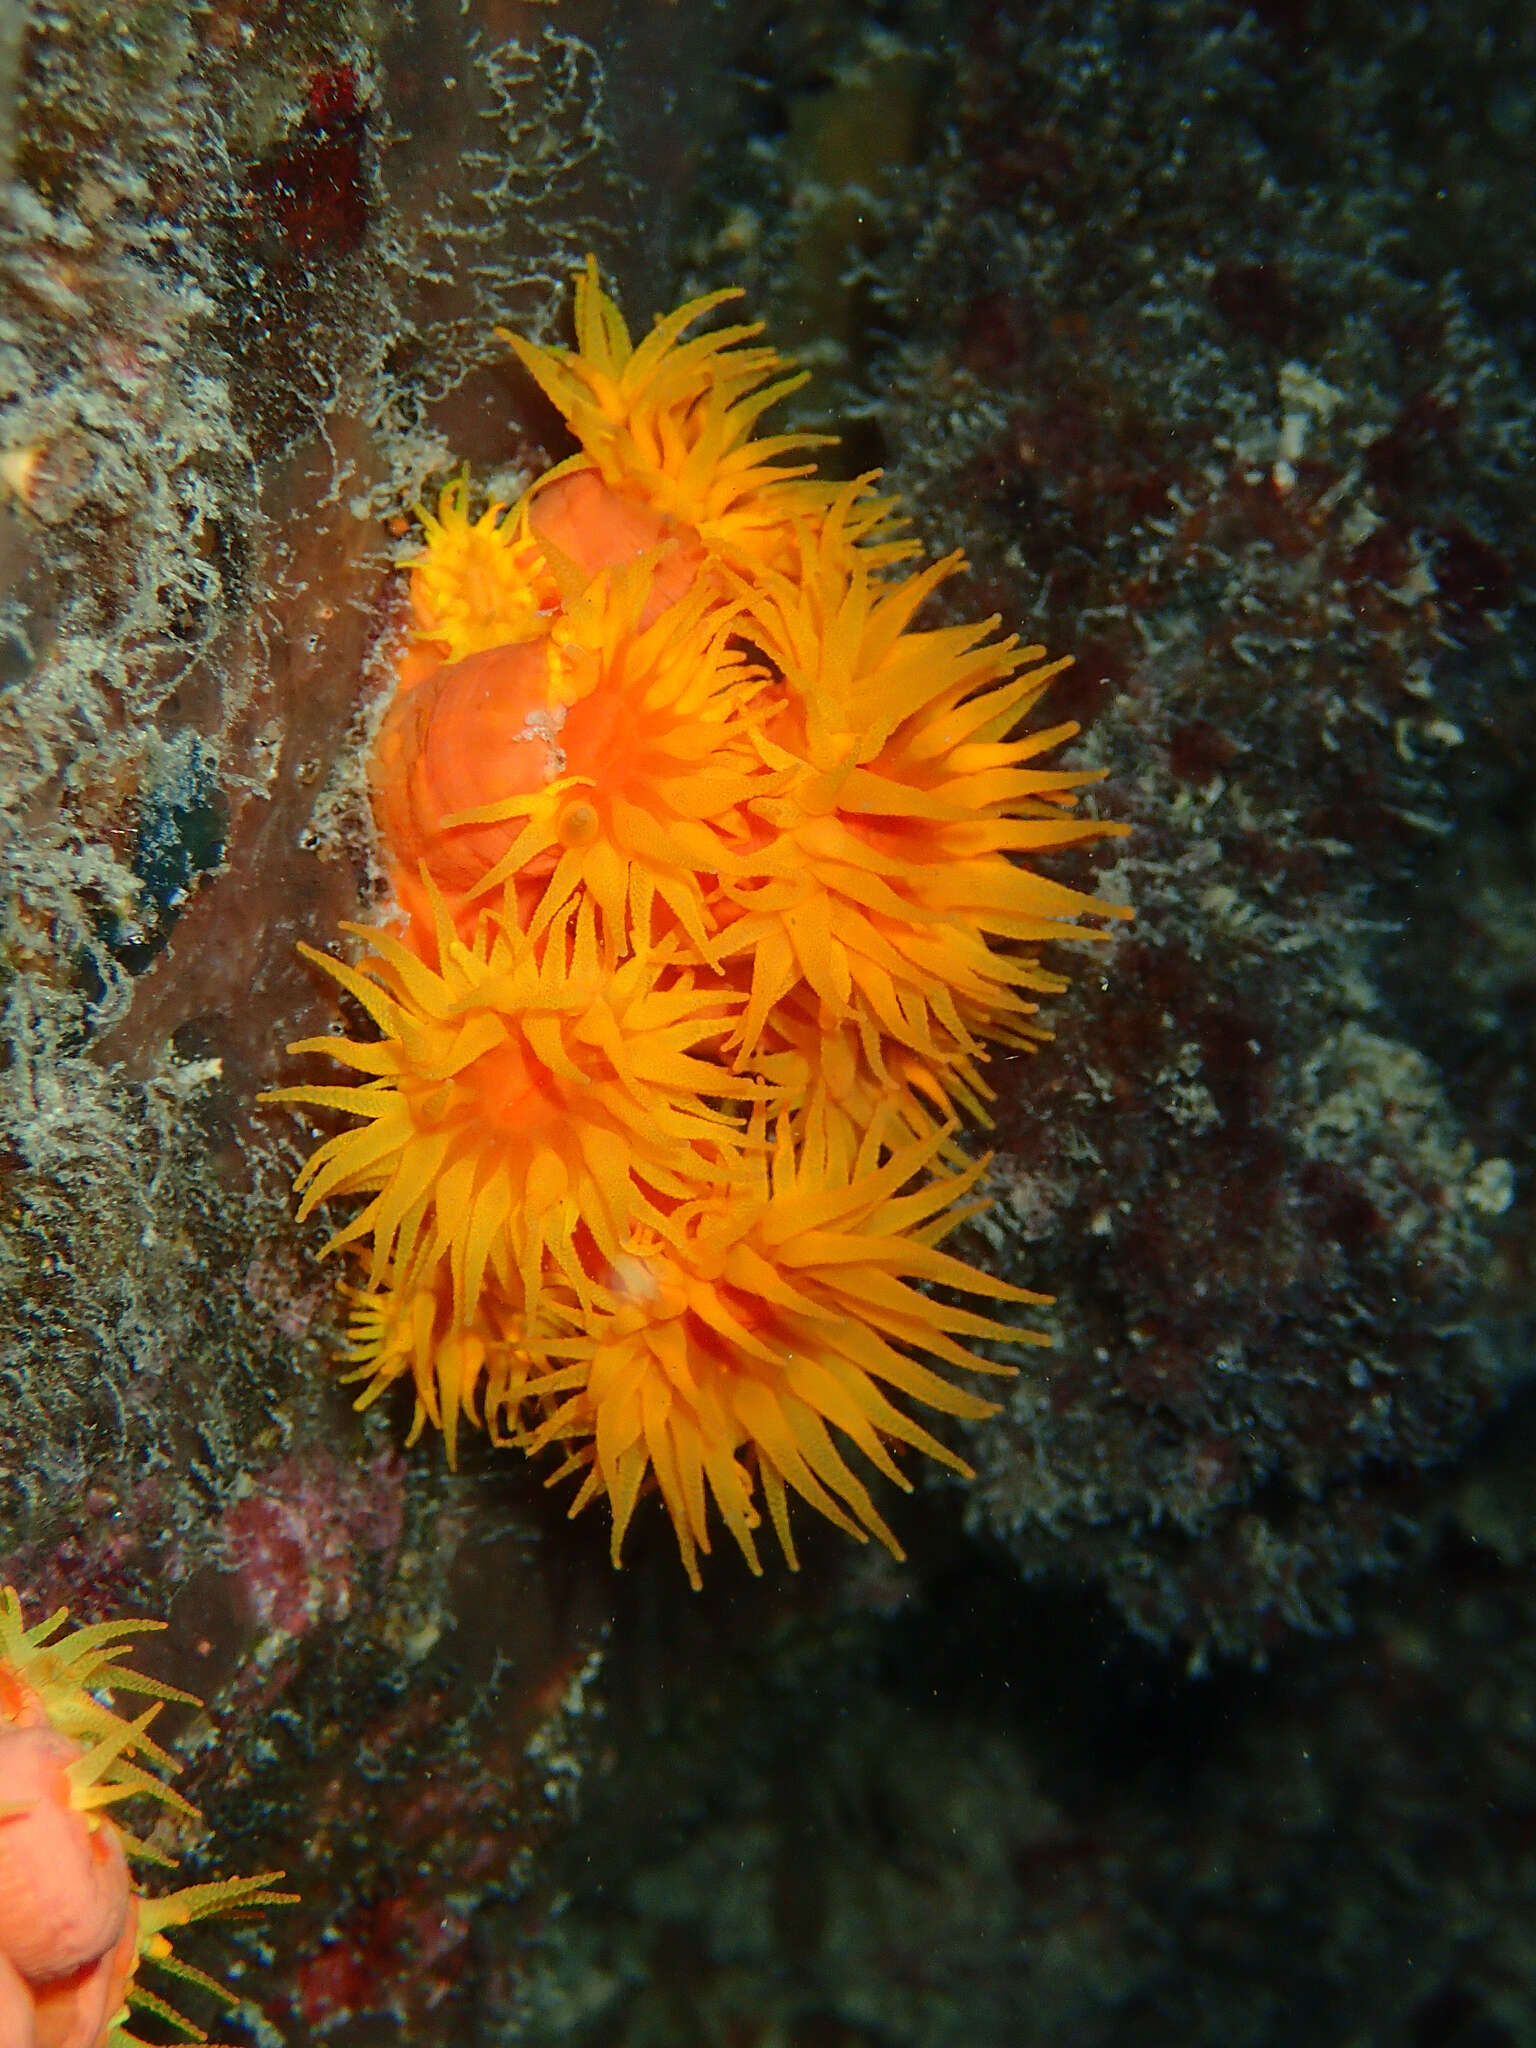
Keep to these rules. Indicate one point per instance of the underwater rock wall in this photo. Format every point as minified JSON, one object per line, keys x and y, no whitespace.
{"x":1191,"y":325}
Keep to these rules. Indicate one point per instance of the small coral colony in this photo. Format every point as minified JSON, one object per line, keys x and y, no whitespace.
{"x":707,"y":859}
{"x":74,"y":1926}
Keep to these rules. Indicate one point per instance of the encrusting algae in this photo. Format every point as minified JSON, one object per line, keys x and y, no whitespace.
{"x":708,"y":860}
{"x":75,"y":1928}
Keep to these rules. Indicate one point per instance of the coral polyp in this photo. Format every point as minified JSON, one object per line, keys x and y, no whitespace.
{"x":671,"y":421}
{"x":523,"y":1102}
{"x":717,"y":869}
{"x":657,"y":761}
{"x":74,"y":1925}
{"x":890,"y":869}
{"x":790,"y":1299}
{"x":480,"y":583}
{"x":477,"y":1372}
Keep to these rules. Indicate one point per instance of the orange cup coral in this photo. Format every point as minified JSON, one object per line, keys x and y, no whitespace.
{"x":525,"y":1103}
{"x":713,"y":867}
{"x":74,"y":1927}
{"x":783,"y":1301}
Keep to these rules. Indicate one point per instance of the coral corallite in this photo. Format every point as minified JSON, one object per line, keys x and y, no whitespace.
{"x":74,"y":1926}
{"x":713,"y":876}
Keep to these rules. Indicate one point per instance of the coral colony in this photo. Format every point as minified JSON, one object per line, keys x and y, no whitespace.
{"x":707,"y":859}
{"x":74,"y":1925}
